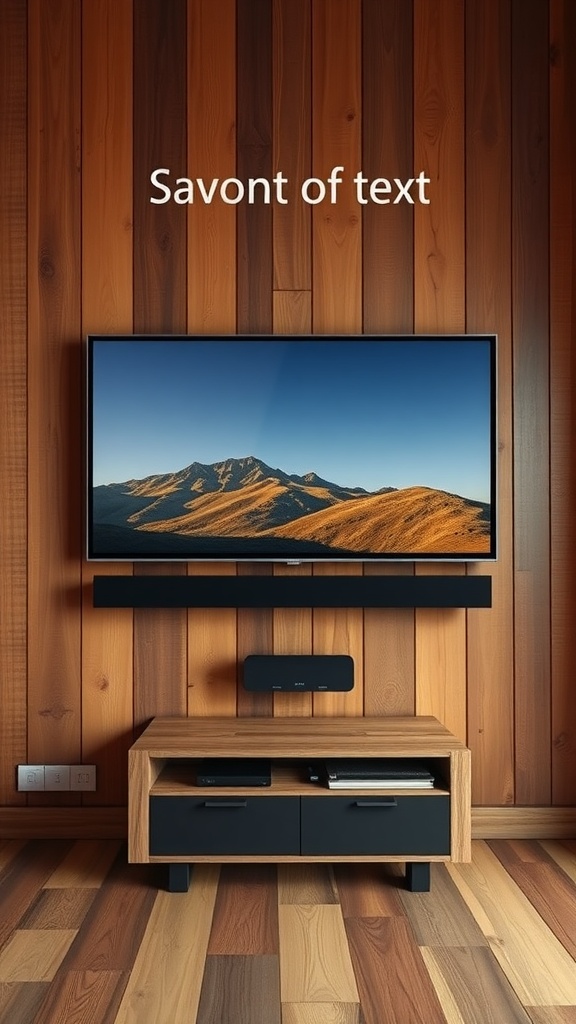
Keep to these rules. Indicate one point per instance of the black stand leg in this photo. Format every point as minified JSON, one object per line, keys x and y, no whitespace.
{"x":418,"y":876}
{"x":178,"y":877}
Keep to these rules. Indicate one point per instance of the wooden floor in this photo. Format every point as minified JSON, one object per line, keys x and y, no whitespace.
{"x":85,"y":937}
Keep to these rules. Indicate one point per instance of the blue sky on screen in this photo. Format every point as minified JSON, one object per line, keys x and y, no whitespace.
{"x":358,"y":412}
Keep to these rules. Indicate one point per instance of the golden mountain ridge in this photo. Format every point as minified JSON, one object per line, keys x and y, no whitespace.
{"x":411,"y":519}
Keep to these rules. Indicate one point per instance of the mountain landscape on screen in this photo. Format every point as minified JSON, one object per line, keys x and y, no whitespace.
{"x":243,"y":507}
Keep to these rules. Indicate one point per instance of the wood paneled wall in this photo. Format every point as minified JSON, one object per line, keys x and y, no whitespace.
{"x":481,"y":96}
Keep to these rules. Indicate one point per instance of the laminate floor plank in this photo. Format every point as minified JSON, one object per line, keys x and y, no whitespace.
{"x":392,"y":979}
{"x":84,"y":997}
{"x":306,"y":883}
{"x":9,"y":849}
{"x":369,"y":890}
{"x":440,"y":917}
{"x":528,"y":851}
{"x":34,"y":955}
{"x":166,"y":981}
{"x":245,"y":918}
{"x":471,"y":987}
{"x":24,"y":878}
{"x":552,"y":1014}
{"x":111,"y":933}
{"x":86,"y":865}
{"x":315,"y":963}
{"x":239,"y":990}
{"x":519,"y":851}
{"x":243,"y":946}
{"x":562,"y":855}
{"x":549,"y":890}
{"x":321,"y":1013}
{"x":58,"y":908}
{"x":535,"y":962}
{"x":19,"y":1001}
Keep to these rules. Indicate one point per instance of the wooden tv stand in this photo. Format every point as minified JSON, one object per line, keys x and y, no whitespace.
{"x":173,"y":821}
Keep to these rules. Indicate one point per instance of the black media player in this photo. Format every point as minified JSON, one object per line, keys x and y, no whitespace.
{"x":299,"y":672}
{"x":234,"y":771}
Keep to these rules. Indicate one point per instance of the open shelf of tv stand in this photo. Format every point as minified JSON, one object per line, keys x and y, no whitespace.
{"x":175,"y":822}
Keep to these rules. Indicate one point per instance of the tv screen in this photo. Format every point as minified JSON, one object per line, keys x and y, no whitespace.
{"x":292,"y":449}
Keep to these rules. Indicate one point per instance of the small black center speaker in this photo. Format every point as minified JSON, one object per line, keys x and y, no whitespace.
{"x":298,"y":672}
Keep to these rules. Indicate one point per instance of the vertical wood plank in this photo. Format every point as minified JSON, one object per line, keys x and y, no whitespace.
{"x":531,"y":383}
{"x":107,"y":634}
{"x":254,"y":159}
{"x":212,"y":298}
{"x":160,"y":657}
{"x":255,"y":261}
{"x":439,"y":298}
{"x":107,"y":132}
{"x":388,"y":289}
{"x":340,"y":631}
{"x":13,"y":410}
{"x":387,"y":149}
{"x":562,"y":386}
{"x":441,"y":665}
{"x":292,"y":635}
{"x":439,"y":151}
{"x":490,"y":665}
{"x":54,"y":384}
{"x":212,"y":652}
{"x":255,"y":636}
{"x":160,"y":290}
{"x":292,"y":312}
{"x":159,"y":141}
{"x":291,"y":150}
{"x":107,"y":684}
{"x":389,"y":652}
{"x":337,"y":265}
{"x":292,"y":269}
{"x":211,"y":154}
{"x":336,"y":226}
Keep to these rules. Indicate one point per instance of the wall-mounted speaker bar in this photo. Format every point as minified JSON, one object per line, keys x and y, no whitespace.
{"x":292,"y":591}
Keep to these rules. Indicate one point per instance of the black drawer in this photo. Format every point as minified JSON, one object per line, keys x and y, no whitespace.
{"x":376,"y":825}
{"x":224,"y":825}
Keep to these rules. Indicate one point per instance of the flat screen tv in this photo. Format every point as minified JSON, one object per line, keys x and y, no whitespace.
{"x":291,"y":449}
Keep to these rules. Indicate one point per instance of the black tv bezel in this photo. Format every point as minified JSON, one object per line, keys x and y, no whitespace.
{"x":214,"y":557}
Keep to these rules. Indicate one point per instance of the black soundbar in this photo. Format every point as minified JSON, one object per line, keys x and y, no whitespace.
{"x":292,"y":592}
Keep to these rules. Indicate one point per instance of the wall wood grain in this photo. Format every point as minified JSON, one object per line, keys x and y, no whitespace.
{"x":490,"y":670}
{"x":13,"y":398}
{"x":107,"y":298}
{"x":480,"y":96}
{"x":54,"y":498}
{"x":531,"y":397}
{"x":562,"y":413}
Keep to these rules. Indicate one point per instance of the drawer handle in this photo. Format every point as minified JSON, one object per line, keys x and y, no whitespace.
{"x":377,"y":803}
{"x":225,"y":803}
